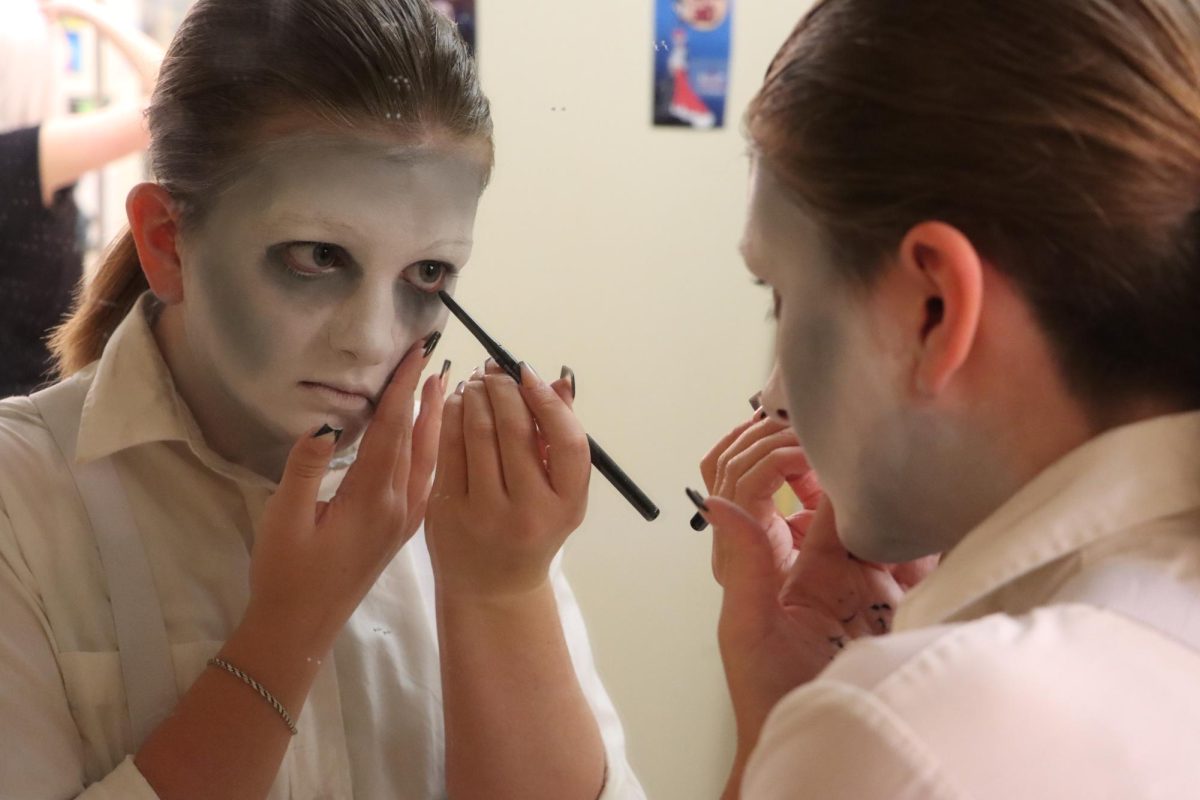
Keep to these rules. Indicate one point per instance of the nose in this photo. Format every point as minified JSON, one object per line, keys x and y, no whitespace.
{"x":774,"y":400}
{"x":363,"y":329}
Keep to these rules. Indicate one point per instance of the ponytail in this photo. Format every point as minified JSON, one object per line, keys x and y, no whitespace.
{"x":100,"y":305}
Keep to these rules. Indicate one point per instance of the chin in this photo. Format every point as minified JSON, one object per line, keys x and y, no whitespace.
{"x":883,"y":544}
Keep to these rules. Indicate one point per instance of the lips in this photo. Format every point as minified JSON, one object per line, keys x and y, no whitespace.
{"x":351,"y":397}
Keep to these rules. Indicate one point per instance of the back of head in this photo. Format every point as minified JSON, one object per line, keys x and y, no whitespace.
{"x":29,"y":66}
{"x":236,"y":70}
{"x":1061,"y":136}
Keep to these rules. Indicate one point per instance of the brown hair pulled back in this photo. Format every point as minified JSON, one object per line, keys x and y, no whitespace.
{"x":1061,"y":136}
{"x":235,"y":65}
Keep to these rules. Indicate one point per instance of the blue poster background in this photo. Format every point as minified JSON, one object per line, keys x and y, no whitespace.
{"x":691,"y":64}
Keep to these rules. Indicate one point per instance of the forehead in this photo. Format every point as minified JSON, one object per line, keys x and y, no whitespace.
{"x":361,"y":177}
{"x":775,"y":222}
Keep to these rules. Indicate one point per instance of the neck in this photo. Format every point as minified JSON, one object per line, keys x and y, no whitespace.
{"x":228,"y":428}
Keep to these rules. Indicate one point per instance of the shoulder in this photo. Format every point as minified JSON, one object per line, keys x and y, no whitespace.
{"x":1004,"y":652}
{"x":32,"y":468}
{"x":1000,"y":707}
{"x":24,"y":437}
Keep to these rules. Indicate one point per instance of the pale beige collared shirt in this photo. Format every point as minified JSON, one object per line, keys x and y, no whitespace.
{"x":1053,"y":655}
{"x":372,"y":726}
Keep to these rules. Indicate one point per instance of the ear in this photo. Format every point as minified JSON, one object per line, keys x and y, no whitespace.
{"x":952,"y":271}
{"x":154,"y":223}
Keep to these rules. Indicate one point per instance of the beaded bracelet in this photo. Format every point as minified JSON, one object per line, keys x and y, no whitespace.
{"x":258,"y":687}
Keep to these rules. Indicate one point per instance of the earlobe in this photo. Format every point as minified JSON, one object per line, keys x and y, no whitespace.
{"x":153,"y":221}
{"x":952,"y":270}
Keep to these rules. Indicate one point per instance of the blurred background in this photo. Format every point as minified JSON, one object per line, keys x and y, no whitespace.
{"x":610,"y":245}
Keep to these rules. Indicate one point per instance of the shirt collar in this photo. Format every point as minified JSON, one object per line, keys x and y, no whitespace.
{"x":1118,"y":481}
{"x":133,"y":401}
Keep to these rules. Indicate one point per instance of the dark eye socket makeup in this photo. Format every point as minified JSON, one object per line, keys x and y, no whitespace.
{"x":773,"y":313}
{"x":315,"y":260}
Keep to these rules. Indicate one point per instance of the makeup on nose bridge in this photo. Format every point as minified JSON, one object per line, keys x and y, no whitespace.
{"x":601,"y":460}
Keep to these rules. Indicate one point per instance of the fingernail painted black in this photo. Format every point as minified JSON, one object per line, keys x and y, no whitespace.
{"x":699,"y":523}
{"x":432,"y":342}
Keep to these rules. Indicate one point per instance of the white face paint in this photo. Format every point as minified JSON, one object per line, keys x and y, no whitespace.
{"x":906,"y":478}
{"x":311,"y":277}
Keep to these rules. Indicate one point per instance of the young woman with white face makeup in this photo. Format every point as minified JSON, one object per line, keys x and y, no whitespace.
{"x":190,"y":575}
{"x":980,"y":223}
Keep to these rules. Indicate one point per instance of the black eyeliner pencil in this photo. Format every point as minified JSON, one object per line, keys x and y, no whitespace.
{"x":601,"y":460}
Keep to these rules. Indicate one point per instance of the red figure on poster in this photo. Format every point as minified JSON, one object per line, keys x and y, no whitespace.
{"x":685,"y":103}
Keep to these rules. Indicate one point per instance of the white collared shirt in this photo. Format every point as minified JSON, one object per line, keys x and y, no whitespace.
{"x":372,"y":725}
{"x":1054,"y":653}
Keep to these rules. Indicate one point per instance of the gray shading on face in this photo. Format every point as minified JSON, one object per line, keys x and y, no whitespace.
{"x":840,"y":383}
{"x":321,"y":263}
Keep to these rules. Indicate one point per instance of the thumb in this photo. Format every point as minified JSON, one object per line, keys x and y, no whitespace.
{"x":306,"y":467}
{"x":744,"y":563}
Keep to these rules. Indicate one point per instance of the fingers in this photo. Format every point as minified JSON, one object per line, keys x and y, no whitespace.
{"x":565,"y":386}
{"x":307,"y":465}
{"x":451,"y":478}
{"x":520,"y":455}
{"x":386,"y":447}
{"x":793,"y":467}
{"x":708,"y":464}
{"x":749,"y":437}
{"x":536,"y":438}
{"x":426,"y":433}
{"x":569,"y":457}
{"x":480,"y":441}
{"x":748,"y":568}
{"x":808,"y":488}
{"x":799,"y":523}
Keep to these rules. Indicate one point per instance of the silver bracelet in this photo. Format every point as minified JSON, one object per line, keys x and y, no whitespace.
{"x":258,"y":687}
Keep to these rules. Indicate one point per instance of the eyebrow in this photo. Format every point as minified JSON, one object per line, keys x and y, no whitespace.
{"x":318,"y":219}
{"x":343,"y":228}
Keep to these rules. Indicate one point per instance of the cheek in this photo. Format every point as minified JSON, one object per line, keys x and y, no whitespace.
{"x":809,"y":347}
{"x":229,"y":307}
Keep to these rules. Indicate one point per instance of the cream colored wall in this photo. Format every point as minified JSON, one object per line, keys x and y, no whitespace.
{"x":610,"y":245}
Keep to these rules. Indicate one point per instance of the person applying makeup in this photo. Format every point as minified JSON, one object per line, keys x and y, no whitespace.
{"x":214,"y":574}
{"x":980,"y":223}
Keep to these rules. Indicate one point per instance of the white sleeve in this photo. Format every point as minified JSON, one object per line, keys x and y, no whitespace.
{"x":620,"y":783}
{"x":35,"y":719}
{"x":839,"y":742}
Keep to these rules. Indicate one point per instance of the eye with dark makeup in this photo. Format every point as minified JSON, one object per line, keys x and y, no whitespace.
{"x":313,"y":260}
{"x":429,"y":276}
{"x":773,"y":313}
{"x":307,"y":260}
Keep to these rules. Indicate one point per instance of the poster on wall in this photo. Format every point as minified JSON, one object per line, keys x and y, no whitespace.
{"x":691,"y":62}
{"x":462,"y":13}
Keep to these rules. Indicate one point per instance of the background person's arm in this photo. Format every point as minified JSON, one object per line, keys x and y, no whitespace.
{"x":69,"y":147}
{"x":73,"y":145}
